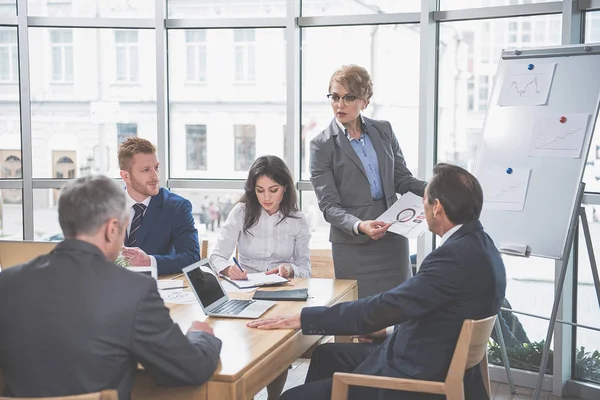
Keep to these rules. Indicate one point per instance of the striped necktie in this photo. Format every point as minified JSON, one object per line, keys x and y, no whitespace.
{"x":136,"y":222}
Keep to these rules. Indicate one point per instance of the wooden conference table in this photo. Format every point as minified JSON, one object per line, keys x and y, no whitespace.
{"x":250,"y":358}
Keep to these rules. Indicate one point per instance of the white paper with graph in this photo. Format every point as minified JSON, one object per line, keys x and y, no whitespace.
{"x":551,"y":138}
{"x":407,"y":215}
{"x":524,"y":87}
{"x":503,"y":191}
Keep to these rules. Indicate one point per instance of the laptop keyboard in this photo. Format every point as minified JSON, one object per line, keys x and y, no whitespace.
{"x":232,"y":307}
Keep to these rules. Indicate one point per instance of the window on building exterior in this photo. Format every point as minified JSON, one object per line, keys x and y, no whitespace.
{"x":244,"y":48}
{"x":61,"y":44}
{"x":125,"y":131}
{"x":195,"y":136}
{"x":195,"y":46}
{"x":245,"y":146}
{"x":126,"y":43}
{"x":8,"y":55}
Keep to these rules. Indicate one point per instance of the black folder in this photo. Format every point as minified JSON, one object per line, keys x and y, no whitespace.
{"x":290,"y":295}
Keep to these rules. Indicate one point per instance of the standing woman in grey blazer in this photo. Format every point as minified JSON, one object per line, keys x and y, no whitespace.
{"x":357,"y":168}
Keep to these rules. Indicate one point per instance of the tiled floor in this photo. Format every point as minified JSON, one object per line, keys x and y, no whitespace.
{"x":500,"y":391}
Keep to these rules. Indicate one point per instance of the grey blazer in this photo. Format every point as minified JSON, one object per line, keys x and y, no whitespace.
{"x":341,"y":183}
{"x":72,"y":322}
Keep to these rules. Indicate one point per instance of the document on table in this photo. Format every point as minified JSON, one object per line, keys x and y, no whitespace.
{"x":257,"y":279}
{"x":177,"y":296}
{"x":231,"y":288}
{"x":407,"y":216}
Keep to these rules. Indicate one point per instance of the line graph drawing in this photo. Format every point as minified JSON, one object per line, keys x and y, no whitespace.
{"x":551,"y":138}
{"x":502,"y":191}
{"x":522,"y":87}
{"x":530,"y":88}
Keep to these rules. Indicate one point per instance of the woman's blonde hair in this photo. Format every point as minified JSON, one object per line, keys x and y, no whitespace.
{"x":355,"y":79}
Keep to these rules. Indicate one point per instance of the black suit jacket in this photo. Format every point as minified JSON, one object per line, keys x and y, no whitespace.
{"x":168,"y":233}
{"x":462,"y":279}
{"x":72,"y":322}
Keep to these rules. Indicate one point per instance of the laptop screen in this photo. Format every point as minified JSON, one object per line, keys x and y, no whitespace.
{"x":206,"y":284}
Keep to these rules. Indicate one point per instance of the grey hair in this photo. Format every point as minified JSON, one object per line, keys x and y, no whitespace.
{"x":85,"y":204}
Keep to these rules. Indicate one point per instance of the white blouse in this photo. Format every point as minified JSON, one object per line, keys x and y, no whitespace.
{"x":266,"y":245}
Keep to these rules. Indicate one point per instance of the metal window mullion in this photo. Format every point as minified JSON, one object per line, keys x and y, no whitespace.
{"x":11,"y":184}
{"x":8,"y":20}
{"x":428,"y":77}
{"x":225,"y":23}
{"x":83,"y":22}
{"x":588,"y":5}
{"x":206,"y":184}
{"x":522,"y":10}
{"x":25,"y":119}
{"x":162,"y":142}
{"x":368,"y":19}
{"x":293,"y":107}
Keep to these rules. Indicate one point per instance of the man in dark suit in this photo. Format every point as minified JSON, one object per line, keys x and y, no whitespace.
{"x":464,"y":278}
{"x":73,"y":322}
{"x":161,"y":234}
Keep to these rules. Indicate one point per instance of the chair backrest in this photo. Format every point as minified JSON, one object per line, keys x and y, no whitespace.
{"x":103,"y":395}
{"x":18,"y":252}
{"x":204,"y":249}
{"x":321,"y":264}
{"x":471,"y":347}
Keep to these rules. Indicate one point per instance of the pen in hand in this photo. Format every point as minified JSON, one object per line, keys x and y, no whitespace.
{"x":240,"y":267}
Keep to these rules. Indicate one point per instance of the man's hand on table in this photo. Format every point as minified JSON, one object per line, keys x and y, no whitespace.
{"x":280,"y":322}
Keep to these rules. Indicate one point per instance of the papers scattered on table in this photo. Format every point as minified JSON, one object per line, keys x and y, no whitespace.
{"x":177,"y":296}
{"x":231,"y":288}
{"x":407,"y":215}
{"x":258,"y":279}
{"x":168,"y":284}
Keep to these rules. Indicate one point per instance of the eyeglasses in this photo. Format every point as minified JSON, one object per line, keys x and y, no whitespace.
{"x":348,"y":98}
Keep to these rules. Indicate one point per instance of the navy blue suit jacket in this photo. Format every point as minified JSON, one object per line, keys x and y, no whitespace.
{"x":462,"y":279}
{"x":168,"y":233}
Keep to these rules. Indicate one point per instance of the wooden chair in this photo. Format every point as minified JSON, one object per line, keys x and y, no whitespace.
{"x":18,"y":252}
{"x":470,"y":350}
{"x":103,"y":395}
{"x":204,"y":250}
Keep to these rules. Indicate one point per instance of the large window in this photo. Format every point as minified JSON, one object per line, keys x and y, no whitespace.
{"x":195,"y":46}
{"x":245,"y":55}
{"x":394,"y":70}
{"x":9,"y":72}
{"x":93,"y":114}
{"x":346,"y":7}
{"x":91,"y":8}
{"x":222,"y":9}
{"x":244,"y":146}
{"x":61,"y":46}
{"x":195,"y":147}
{"x":223,"y":101}
{"x":126,"y":44}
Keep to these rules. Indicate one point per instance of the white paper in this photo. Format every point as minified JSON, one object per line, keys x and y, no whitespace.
{"x":165,"y":284}
{"x":177,"y":296}
{"x":524,"y":87}
{"x":258,"y":279}
{"x":231,"y":288}
{"x":407,"y":215}
{"x":551,"y":138}
{"x":503,"y":191}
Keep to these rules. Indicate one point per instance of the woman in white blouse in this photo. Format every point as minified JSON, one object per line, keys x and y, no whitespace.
{"x":271,"y":234}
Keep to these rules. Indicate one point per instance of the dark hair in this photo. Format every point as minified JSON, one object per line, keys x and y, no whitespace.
{"x":85,"y":204}
{"x":459,"y":192}
{"x":274,"y":168}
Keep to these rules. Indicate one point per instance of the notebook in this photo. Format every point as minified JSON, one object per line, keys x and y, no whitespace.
{"x":289,"y":295}
{"x":256,"y":280}
{"x":213,"y":299}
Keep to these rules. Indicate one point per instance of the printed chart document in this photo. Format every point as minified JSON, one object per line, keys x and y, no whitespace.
{"x":177,"y":296}
{"x":553,"y":138}
{"x":502,"y":191}
{"x":258,"y":279}
{"x":527,"y":87}
{"x":407,"y":215}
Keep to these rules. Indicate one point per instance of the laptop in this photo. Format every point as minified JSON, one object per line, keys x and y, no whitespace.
{"x":214,"y":300}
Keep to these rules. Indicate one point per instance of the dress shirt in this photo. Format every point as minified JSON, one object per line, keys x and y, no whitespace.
{"x":146,"y":202}
{"x":390,"y":329}
{"x":267,"y":244}
{"x":363,"y":147}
